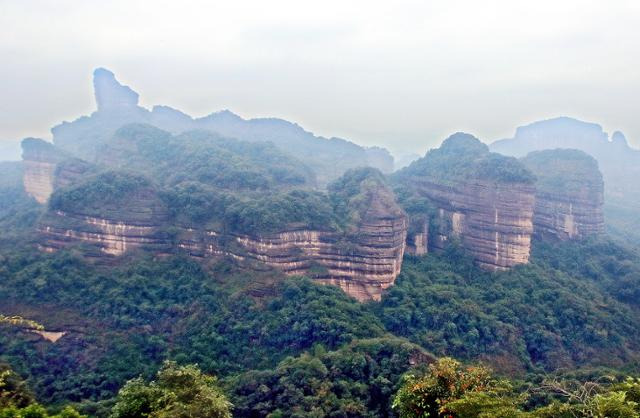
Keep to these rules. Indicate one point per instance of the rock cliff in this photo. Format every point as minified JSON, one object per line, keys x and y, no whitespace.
{"x":482,"y":200}
{"x":46,"y":168}
{"x":569,"y":194}
{"x":40,"y":159}
{"x":617,"y":160}
{"x":112,"y":213}
{"x":363,"y":263}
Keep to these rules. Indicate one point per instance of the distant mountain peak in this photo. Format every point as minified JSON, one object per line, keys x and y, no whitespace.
{"x":619,"y":138}
{"x":462,"y":141}
{"x":109,"y":93}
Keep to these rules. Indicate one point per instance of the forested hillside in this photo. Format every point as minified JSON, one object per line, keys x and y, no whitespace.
{"x":573,"y":308}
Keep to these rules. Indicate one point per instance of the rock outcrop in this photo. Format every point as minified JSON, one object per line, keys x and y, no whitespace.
{"x":493,"y":221}
{"x":40,"y":159}
{"x":110,"y":94}
{"x":111,"y":213}
{"x":482,"y":200}
{"x":569,"y":194}
{"x":118,"y":105}
{"x":46,"y":168}
{"x":418,"y":237}
{"x":114,"y":213}
{"x":363,"y":263}
{"x":617,"y":160}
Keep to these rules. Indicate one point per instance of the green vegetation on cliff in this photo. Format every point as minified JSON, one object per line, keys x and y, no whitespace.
{"x":462,"y":157}
{"x":563,"y":170}
{"x":204,"y":157}
{"x":128,"y":195}
{"x":107,"y":191}
{"x":18,"y":211}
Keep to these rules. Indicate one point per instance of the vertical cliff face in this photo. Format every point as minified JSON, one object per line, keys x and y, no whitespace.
{"x":569,"y":196}
{"x":492,"y":221}
{"x":39,"y":161}
{"x":46,"y":168}
{"x":112,"y":212}
{"x":363,"y":267}
{"x":482,"y":200}
{"x":363,"y":260}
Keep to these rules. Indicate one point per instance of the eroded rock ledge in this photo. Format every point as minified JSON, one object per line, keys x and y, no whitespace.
{"x":463,"y":192}
{"x":362,"y":266}
{"x":493,"y":221}
{"x":569,"y":194}
{"x":113,"y":213}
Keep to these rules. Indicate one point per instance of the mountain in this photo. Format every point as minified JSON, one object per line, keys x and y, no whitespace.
{"x":128,"y":248}
{"x":118,"y":105}
{"x":212,"y":197}
{"x":619,"y":163}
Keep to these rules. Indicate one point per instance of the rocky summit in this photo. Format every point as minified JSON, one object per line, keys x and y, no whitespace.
{"x":110,"y":94}
{"x":117,"y":105}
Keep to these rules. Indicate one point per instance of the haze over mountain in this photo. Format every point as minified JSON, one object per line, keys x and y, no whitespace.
{"x":118,"y":105}
{"x":619,"y":162}
{"x":165,"y":261}
{"x":402,"y":76}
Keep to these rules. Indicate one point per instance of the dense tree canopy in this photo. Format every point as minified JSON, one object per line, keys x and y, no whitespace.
{"x":177,"y":392}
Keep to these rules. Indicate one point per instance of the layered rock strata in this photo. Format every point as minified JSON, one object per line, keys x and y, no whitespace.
{"x":363,"y":264}
{"x":492,"y":221}
{"x":362,"y":267}
{"x":483,"y":201}
{"x":569,"y":194}
{"x":363,"y":261}
{"x":418,"y":237}
{"x":136,"y":223}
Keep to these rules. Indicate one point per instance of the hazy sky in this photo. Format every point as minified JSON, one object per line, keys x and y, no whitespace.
{"x":402,"y":74}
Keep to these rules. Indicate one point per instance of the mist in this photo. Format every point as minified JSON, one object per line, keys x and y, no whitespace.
{"x":401,"y":75}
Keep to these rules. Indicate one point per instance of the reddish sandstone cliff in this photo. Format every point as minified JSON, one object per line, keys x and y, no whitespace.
{"x":482,"y":200}
{"x":569,"y":194}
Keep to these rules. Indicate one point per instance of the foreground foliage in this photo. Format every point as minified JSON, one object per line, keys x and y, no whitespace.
{"x":452,"y":390}
{"x":177,"y":392}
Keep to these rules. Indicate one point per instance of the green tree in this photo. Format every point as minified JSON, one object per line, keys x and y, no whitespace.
{"x":446,"y":381}
{"x":178,"y":391}
{"x":13,"y":390}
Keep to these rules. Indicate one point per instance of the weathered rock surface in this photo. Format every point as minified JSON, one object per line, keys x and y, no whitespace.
{"x":363,"y":268}
{"x":569,"y":194}
{"x":484,"y":201}
{"x":617,"y":160}
{"x":113,"y":226}
{"x":493,"y":221}
{"x":363,"y":261}
{"x":40,"y":161}
{"x":46,"y":168}
{"x":363,"y":264}
{"x":418,"y":238}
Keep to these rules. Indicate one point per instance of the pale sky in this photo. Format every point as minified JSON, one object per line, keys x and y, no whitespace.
{"x":400,"y":74}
